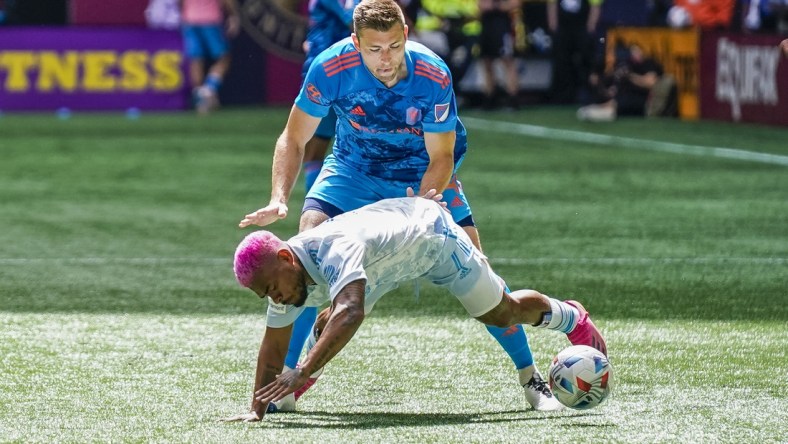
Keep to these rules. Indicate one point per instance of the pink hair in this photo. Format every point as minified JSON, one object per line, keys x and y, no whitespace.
{"x":253,"y":251}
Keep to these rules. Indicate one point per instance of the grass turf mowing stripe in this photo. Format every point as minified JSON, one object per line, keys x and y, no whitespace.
{"x":623,"y":142}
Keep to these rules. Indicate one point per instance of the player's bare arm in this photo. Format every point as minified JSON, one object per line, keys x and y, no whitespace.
{"x":347,"y":314}
{"x":440,"y":147}
{"x":270,"y":361}
{"x":288,"y":155}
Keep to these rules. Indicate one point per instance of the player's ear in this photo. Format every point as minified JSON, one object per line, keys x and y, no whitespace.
{"x":355,"y":41}
{"x":284,"y":255}
{"x":406,"y":31}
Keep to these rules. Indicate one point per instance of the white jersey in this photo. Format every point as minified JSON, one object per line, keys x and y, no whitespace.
{"x":387,"y":243}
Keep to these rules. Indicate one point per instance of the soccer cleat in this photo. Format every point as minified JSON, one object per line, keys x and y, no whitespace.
{"x":207,"y":100}
{"x":586,"y":333}
{"x":308,"y":384}
{"x":284,"y":405}
{"x":538,"y":394}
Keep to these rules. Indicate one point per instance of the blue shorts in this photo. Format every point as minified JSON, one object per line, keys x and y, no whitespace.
{"x":339,"y":189}
{"x":204,"y":41}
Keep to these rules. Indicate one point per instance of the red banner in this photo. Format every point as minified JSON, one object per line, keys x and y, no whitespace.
{"x":744,"y":78}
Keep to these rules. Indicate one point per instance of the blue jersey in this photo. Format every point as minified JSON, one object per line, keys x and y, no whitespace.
{"x":329,"y":22}
{"x":380,"y":130}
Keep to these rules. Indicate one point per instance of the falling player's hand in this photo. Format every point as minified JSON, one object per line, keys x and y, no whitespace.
{"x":432,"y":194}
{"x":243,"y":417}
{"x":264,"y":216}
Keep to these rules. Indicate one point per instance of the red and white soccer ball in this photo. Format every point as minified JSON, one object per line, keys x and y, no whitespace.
{"x":580,"y":377}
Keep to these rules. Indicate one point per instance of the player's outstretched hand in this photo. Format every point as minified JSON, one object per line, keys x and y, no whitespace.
{"x":243,"y":417}
{"x":432,"y":194}
{"x":264,"y":216}
{"x":284,"y":384}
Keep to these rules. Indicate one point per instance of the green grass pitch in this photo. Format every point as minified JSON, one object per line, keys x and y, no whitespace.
{"x":120,"y":319}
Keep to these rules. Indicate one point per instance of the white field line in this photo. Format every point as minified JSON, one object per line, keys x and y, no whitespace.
{"x":623,"y":142}
{"x":500,"y":260}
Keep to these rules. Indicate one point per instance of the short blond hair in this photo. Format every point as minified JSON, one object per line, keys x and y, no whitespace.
{"x":379,"y":15}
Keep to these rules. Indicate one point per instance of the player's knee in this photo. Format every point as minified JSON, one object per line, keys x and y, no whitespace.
{"x":500,"y":316}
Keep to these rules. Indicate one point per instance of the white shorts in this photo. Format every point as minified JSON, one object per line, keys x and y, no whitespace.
{"x":465,"y":272}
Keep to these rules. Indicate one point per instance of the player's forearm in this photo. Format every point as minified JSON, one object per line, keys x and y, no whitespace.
{"x":270,"y":360}
{"x":288,"y":156}
{"x":437,"y":176}
{"x":346,"y":317}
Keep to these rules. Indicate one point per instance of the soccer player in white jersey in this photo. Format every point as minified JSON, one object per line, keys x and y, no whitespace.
{"x":361,"y":255}
{"x":397,"y":127}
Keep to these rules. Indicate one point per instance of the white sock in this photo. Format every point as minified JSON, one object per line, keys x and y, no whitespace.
{"x":526,"y":373}
{"x":562,"y":317}
{"x":310,"y":342}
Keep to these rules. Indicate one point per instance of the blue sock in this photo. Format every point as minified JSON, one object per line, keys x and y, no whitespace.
{"x":311,"y":170}
{"x":514,"y":342}
{"x":213,"y":81}
{"x":301,"y":329}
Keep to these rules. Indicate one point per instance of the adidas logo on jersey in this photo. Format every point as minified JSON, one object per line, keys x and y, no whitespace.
{"x":358,"y":111}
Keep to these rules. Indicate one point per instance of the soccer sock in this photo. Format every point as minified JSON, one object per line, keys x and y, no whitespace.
{"x":514,"y":342}
{"x":213,"y":81}
{"x":562,"y":317}
{"x":311,"y":170}
{"x":302,"y":328}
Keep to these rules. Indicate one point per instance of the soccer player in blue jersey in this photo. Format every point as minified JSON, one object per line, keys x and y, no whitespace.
{"x":329,"y":22}
{"x":402,"y":239}
{"x":397,"y":128}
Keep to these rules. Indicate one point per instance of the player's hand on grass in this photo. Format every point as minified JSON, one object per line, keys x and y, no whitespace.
{"x":265,"y":216}
{"x":284,"y":384}
{"x":243,"y":417}
{"x":432,"y":194}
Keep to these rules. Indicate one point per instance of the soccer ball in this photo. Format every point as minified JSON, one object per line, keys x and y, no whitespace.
{"x":580,"y":377}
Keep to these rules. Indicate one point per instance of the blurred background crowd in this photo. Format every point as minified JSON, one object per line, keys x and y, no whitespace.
{"x":503,"y":54}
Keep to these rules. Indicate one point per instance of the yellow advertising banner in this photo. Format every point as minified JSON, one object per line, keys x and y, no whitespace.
{"x":676,"y":50}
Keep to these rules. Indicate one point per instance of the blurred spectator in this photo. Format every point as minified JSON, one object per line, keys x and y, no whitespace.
{"x":706,"y":14}
{"x":450,"y":28}
{"x":163,"y":14}
{"x":329,"y":22}
{"x":638,"y":86}
{"x":573,"y":24}
{"x":766,"y":16}
{"x":206,"y":25}
{"x":497,"y":42}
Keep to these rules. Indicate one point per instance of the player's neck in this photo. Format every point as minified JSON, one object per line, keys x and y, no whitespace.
{"x":402,"y":73}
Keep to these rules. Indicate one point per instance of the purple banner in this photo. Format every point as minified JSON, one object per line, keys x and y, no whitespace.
{"x":91,"y":69}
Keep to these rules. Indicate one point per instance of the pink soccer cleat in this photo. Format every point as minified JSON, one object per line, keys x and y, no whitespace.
{"x":586,"y":333}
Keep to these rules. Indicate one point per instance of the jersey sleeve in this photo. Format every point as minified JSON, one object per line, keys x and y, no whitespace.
{"x":442,"y":114}
{"x":317,"y":91}
{"x":342,"y":264}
